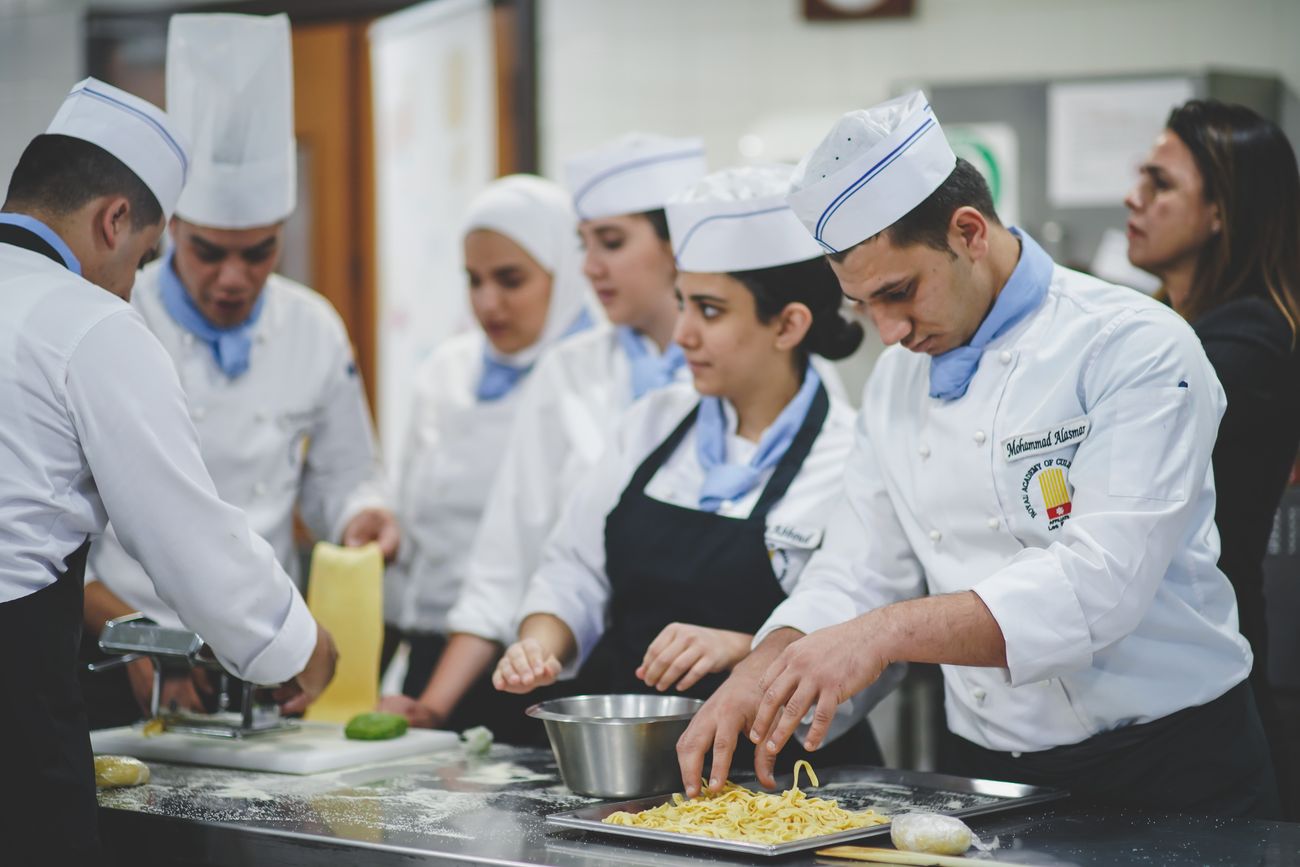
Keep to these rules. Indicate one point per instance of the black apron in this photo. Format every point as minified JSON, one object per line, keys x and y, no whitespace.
{"x":1211,"y":760}
{"x":669,"y":564}
{"x":49,"y":813}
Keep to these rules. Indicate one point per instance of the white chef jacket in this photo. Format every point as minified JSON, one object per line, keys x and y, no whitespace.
{"x":1071,"y":489}
{"x":572,"y":403}
{"x":93,"y":425}
{"x":292,"y":429}
{"x":450,"y":456}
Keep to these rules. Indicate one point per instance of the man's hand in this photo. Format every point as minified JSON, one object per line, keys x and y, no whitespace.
{"x":374,"y":525}
{"x":416,"y":714}
{"x":819,"y":670}
{"x":726,"y":714}
{"x":525,"y":666}
{"x":683,"y":653}
{"x":312,"y":680}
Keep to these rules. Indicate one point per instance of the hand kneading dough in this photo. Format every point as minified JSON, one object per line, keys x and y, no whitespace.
{"x":930,"y":833}
{"x":113,"y":771}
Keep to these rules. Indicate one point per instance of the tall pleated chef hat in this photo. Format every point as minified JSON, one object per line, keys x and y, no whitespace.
{"x":230,"y":88}
{"x":135,"y":131}
{"x":738,"y":220}
{"x":873,"y":167}
{"x":635,"y":173}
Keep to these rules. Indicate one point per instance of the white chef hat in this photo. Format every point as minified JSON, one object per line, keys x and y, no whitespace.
{"x":537,"y":214}
{"x":738,"y":220}
{"x":135,"y":131}
{"x":873,"y":167}
{"x":230,"y":88}
{"x":635,"y":173}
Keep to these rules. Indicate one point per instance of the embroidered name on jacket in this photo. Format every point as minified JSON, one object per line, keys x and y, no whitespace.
{"x":1067,"y":433}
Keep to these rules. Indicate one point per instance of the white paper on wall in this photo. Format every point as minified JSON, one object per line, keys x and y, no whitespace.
{"x":434,"y":97}
{"x":1099,"y":132}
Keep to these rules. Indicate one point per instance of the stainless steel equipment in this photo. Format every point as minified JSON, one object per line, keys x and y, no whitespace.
{"x":617,"y":746}
{"x":884,"y":790}
{"x":177,"y":651}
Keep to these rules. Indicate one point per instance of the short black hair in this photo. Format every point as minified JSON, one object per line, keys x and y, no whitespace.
{"x":58,"y":174}
{"x":812,"y":283}
{"x":927,"y":223}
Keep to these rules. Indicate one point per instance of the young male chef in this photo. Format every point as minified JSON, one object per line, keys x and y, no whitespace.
{"x":265,"y":362}
{"x":1029,"y":503}
{"x":94,"y":426}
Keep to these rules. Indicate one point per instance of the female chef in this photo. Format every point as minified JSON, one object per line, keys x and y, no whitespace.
{"x":701,"y":514}
{"x":1215,"y":214}
{"x":571,"y":403}
{"x":526,"y":291}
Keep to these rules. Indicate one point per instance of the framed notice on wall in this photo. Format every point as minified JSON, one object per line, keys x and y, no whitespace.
{"x":849,"y":10}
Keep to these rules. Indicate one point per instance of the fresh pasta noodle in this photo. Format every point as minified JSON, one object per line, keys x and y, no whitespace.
{"x":736,"y":813}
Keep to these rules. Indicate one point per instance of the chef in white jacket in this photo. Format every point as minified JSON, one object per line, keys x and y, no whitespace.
{"x":1029,"y":503}
{"x":527,"y":292}
{"x":701,"y":514}
{"x":574,"y":396}
{"x":265,"y":362}
{"x":94,"y":426}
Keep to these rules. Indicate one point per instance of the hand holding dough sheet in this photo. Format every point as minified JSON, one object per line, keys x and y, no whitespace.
{"x":736,"y":813}
{"x":346,"y":596}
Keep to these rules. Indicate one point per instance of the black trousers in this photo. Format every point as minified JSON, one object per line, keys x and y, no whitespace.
{"x":1210,"y":760}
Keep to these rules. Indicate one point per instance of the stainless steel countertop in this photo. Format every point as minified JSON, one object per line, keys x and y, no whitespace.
{"x":452,"y":809}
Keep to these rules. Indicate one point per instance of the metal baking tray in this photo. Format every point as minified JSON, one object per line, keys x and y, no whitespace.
{"x":855,"y":787}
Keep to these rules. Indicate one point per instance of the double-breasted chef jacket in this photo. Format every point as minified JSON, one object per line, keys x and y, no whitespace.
{"x":291,"y":430}
{"x":1071,"y":489}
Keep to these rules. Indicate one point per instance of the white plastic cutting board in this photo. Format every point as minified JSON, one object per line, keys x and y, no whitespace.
{"x":309,"y":749}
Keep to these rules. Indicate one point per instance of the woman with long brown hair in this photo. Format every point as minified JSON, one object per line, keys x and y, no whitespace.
{"x":1215,"y":215}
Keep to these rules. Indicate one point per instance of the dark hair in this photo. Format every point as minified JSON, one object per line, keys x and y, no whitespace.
{"x":57,"y":174}
{"x":1248,"y":170}
{"x":659,"y":220}
{"x":812,"y":283}
{"x":928,"y":222}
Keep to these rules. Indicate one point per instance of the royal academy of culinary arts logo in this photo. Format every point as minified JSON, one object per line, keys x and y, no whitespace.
{"x":1045,"y":491}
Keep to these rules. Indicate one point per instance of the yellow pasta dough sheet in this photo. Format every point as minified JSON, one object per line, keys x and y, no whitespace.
{"x":345,"y":593}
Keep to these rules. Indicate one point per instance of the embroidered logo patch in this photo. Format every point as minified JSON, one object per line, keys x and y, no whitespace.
{"x":1067,"y":433}
{"x":1045,"y":490}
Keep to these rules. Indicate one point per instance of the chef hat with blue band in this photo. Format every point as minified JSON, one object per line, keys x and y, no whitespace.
{"x":738,"y":220}
{"x":873,"y":167}
{"x":135,"y":131}
{"x":632,"y":174}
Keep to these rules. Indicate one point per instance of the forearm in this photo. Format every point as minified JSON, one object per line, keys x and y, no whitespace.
{"x":552,"y":634}
{"x":952,"y":629}
{"x":463,"y":662}
{"x":101,"y":605}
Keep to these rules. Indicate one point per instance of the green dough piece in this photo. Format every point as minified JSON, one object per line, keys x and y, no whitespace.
{"x":375,"y":727}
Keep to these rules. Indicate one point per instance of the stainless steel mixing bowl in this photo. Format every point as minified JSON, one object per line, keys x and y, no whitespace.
{"x":617,"y":746}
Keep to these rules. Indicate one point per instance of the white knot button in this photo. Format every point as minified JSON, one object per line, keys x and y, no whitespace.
{"x":923,"y":451}
{"x":935,"y":535}
{"x":198,"y":413}
{"x":259,"y":488}
{"x":979,"y":436}
{"x":1004,"y":356}
{"x":979,"y":695}
{"x":993,"y":523}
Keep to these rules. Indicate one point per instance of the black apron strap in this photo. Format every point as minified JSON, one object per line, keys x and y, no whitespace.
{"x":792,"y":461}
{"x":26,"y":239}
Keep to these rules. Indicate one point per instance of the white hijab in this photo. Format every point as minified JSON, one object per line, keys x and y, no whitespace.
{"x":538,"y":215}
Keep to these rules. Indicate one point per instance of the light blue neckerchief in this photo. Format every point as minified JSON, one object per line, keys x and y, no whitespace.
{"x":46,"y":234}
{"x":230,"y":346}
{"x":951,"y":373}
{"x":724,"y":481}
{"x":649,"y":372}
{"x":499,"y":378}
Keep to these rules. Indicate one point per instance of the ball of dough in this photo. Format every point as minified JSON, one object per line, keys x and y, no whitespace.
{"x":930,"y":833}
{"x":375,"y":726}
{"x":114,"y":771}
